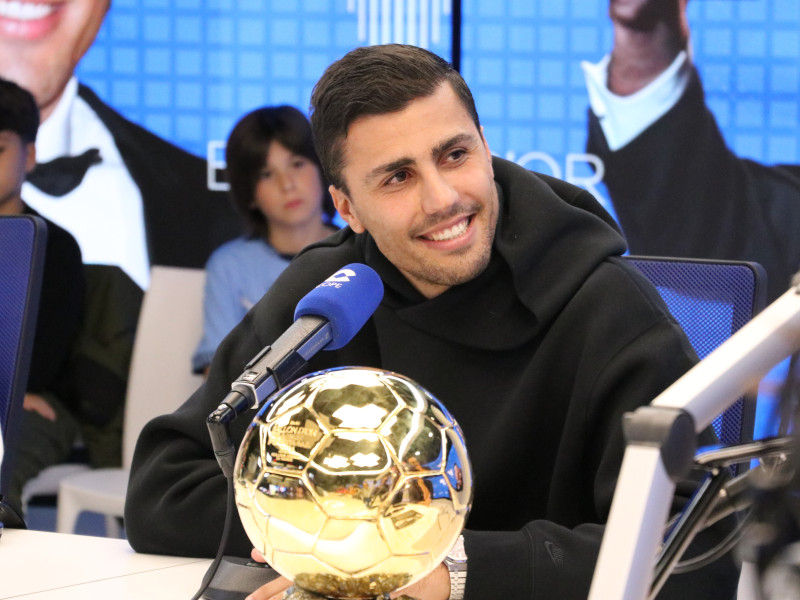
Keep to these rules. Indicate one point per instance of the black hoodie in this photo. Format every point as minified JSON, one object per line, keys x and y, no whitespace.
{"x":538,"y":358}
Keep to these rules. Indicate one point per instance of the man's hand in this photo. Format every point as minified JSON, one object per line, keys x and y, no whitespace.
{"x":434,"y":586}
{"x":648,"y":35}
{"x":274,"y":590}
{"x":38,"y":404}
{"x":270,"y":591}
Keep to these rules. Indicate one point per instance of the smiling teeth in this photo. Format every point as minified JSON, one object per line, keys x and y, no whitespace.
{"x":24,"y":11}
{"x":451,"y":233}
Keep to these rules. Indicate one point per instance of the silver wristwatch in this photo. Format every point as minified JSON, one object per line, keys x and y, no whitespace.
{"x":456,"y":561}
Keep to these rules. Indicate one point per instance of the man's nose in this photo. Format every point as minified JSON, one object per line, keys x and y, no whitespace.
{"x":438,"y":194}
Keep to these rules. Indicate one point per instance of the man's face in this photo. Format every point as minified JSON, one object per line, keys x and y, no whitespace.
{"x":421,"y":182}
{"x":16,"y":159}
{"x":41,"y":43}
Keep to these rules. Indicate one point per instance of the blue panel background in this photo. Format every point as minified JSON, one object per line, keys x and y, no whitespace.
{"x":188,"y":69}
{"x":522,"y":61}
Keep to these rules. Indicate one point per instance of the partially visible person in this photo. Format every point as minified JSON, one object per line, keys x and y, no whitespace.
{"x":278,"y":189}
{"x":48,"y":425}
{"x":505,"y":296}
{"x":130,"y":198}
{"x":676,"y":187}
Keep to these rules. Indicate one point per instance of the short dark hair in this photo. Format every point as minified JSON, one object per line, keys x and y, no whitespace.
{"x":375,"y":80}
{"x":18,"y":111}
{"x":246,"y":152}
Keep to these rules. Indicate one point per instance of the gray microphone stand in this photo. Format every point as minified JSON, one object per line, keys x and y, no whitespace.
{"x":661,"y":445}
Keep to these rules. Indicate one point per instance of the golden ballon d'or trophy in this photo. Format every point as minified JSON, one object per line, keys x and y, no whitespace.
{"x":353,"y":483}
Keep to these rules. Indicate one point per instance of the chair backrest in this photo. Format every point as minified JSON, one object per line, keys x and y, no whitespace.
{"x":711,"y":299}
{"x":22,"y":247}
{"x":170,"y":326}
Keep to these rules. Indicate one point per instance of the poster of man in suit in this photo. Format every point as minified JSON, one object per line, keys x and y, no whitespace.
{"x":676,"y":185}
{"x":129,"y":197}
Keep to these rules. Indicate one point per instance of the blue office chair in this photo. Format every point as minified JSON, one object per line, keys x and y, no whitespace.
{"x":711,"y":299}
{"x":22,"y":246}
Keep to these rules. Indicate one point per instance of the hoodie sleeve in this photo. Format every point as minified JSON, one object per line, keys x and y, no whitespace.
{"x":177,"y":493}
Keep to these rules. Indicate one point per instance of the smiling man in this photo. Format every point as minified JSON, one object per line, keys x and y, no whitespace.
{"x":505,"y":296}
{"x":130,"y":198}
{"x":426,"y":195}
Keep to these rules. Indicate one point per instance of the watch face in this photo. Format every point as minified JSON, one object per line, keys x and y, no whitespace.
{"x":457,"y":553}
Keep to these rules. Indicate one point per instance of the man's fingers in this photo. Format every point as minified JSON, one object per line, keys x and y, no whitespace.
{"x":271,"y":591}
{"x":257,"y":556}
{"x":36,"y":403}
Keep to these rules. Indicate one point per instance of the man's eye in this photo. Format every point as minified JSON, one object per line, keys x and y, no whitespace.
{"x":398,"y":177}
{"x":457,"y":154}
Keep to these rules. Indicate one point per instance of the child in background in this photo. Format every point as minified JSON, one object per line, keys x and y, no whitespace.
{"x":277,"y":186}
{"x":48,"y":427}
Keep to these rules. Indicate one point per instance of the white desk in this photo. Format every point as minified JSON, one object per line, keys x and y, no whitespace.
{"x":40,"y":565}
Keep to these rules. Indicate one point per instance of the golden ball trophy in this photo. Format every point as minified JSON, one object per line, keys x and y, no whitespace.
{"x":353,"y":483}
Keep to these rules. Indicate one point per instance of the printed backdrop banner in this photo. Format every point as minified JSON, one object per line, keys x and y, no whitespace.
{"x":696,"y":181}
{"x":187,"y":69}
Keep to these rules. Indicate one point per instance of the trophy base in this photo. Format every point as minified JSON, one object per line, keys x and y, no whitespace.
{"x":297,"y":593}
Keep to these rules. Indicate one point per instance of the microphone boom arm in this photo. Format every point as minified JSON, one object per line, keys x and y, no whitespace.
{"x":261,"y":378}
{"x":641,"y":503}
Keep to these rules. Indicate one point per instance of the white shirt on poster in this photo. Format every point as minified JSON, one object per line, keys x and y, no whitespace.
{"x":623,"y":118}
{"x":105,"y":212}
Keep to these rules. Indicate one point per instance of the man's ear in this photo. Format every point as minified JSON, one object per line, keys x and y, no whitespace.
{"x":30,"y":157}
{"x":344,"y":206}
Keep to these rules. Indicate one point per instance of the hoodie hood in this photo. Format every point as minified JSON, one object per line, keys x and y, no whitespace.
{"x":550,"y":236}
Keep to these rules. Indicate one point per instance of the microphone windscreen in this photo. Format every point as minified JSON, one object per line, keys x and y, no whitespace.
{"x":346,"y":299}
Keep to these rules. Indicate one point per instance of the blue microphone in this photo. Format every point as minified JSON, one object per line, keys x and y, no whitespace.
{"x":326,"y":318}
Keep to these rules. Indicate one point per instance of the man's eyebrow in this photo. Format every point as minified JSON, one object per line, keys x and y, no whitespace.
{"x":461,"y":138}
{"x":390,"y":167}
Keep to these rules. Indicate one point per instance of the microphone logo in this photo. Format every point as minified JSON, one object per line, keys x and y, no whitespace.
{"x":337,"y":279}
